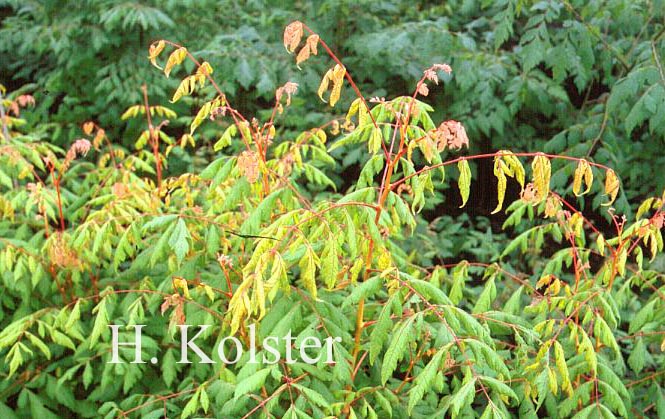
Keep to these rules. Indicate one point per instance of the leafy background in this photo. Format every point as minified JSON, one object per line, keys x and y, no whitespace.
{"x":578,"y":78}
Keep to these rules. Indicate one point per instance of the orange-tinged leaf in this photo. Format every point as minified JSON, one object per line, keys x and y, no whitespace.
{"x":204,"y":68}
{"x":99,"y":136}
{"x":303,"y":55}
{"x":154,"y":51}
{"x":312,"y":43}
{"x":308,"y":49}
{"x":88,"y":127}
{"x":293,"y":34}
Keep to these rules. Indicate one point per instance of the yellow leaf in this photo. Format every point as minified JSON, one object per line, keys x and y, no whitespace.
{"x":643,"y":208}
{"x":131,"y":112}
{"x":176,"y":57}
{"x":181,"y":283}
{"x":501,"y":183}
{"x":621,"y":262}
{"x":154,"y":51}
{"x":552,"y":381}
{"x":338,"y":81}
{"x":186,"y":87}
{"x":611,"y":186}
{"x":577,"y":181}
{"x":353,"y":109}
{"x":560,"y":359}
{"x":464,"y":181}
{"x":542,"y":172}
{"x":583,"y":172}
{"x":307,"y":271}
{"x":258,"y":296}
{"x":323,"y":87}
{"x":600,"y":243}
{"x":200,"y":116}
{"x":544,"y":280}
{"x":588,"y":178}
{"x":204,"y":69}
{"x":515,"y":166}
{"x":375,"y":140}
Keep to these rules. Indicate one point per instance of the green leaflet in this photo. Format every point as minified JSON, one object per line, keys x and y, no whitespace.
{"x":381,"y":329}
{"x":179,"y":240}
{"x":101,"y":321}
{"x":251,"y":384}
{"x":424,"y":380}
{"x":402,"y":337}
{"x":463,"y":397}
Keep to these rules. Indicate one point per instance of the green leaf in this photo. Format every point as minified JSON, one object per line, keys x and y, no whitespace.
{"x":381,"y":329}
{"x":330,"y":263}
{"x":464,"y":180}
{"x":313,"y":396}
{"x":179,"y":240}
{"x":402,"y":337}
{"x":638,"y":355}
{"x":191,"y":406}
{"x":101,"y":322}
{"x":425,"y":378}
{"x":251,"y":384}
{"x":463,"y":397}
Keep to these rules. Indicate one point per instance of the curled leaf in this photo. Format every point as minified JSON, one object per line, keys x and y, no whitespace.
{"x":176,"y":58}
{"x":542,"y":172}
{"x":302,"y":56}
{"x":309,"y":48}
{"x":338,"y":80}
{"x":611,"y":186}
{"x":293,"y":34}
{"x":200,"y":116}
{"x":501,"y":183}
{"x":154,"y":51}
{"x":204,"y":69}
{"x":312,"y":43}
{"x":583,"y":172}
{"x":323,"y":87}
{"x":186,"y":87}
{"x":336,"y":75}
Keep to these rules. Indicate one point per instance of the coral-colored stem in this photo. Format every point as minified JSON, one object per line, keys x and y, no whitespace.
{"x":154,"y":138}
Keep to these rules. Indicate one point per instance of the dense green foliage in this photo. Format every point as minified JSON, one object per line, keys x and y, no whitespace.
{"x":246,"y":200}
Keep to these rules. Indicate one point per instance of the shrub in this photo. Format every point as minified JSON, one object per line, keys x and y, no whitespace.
{"x":565,"y":322}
